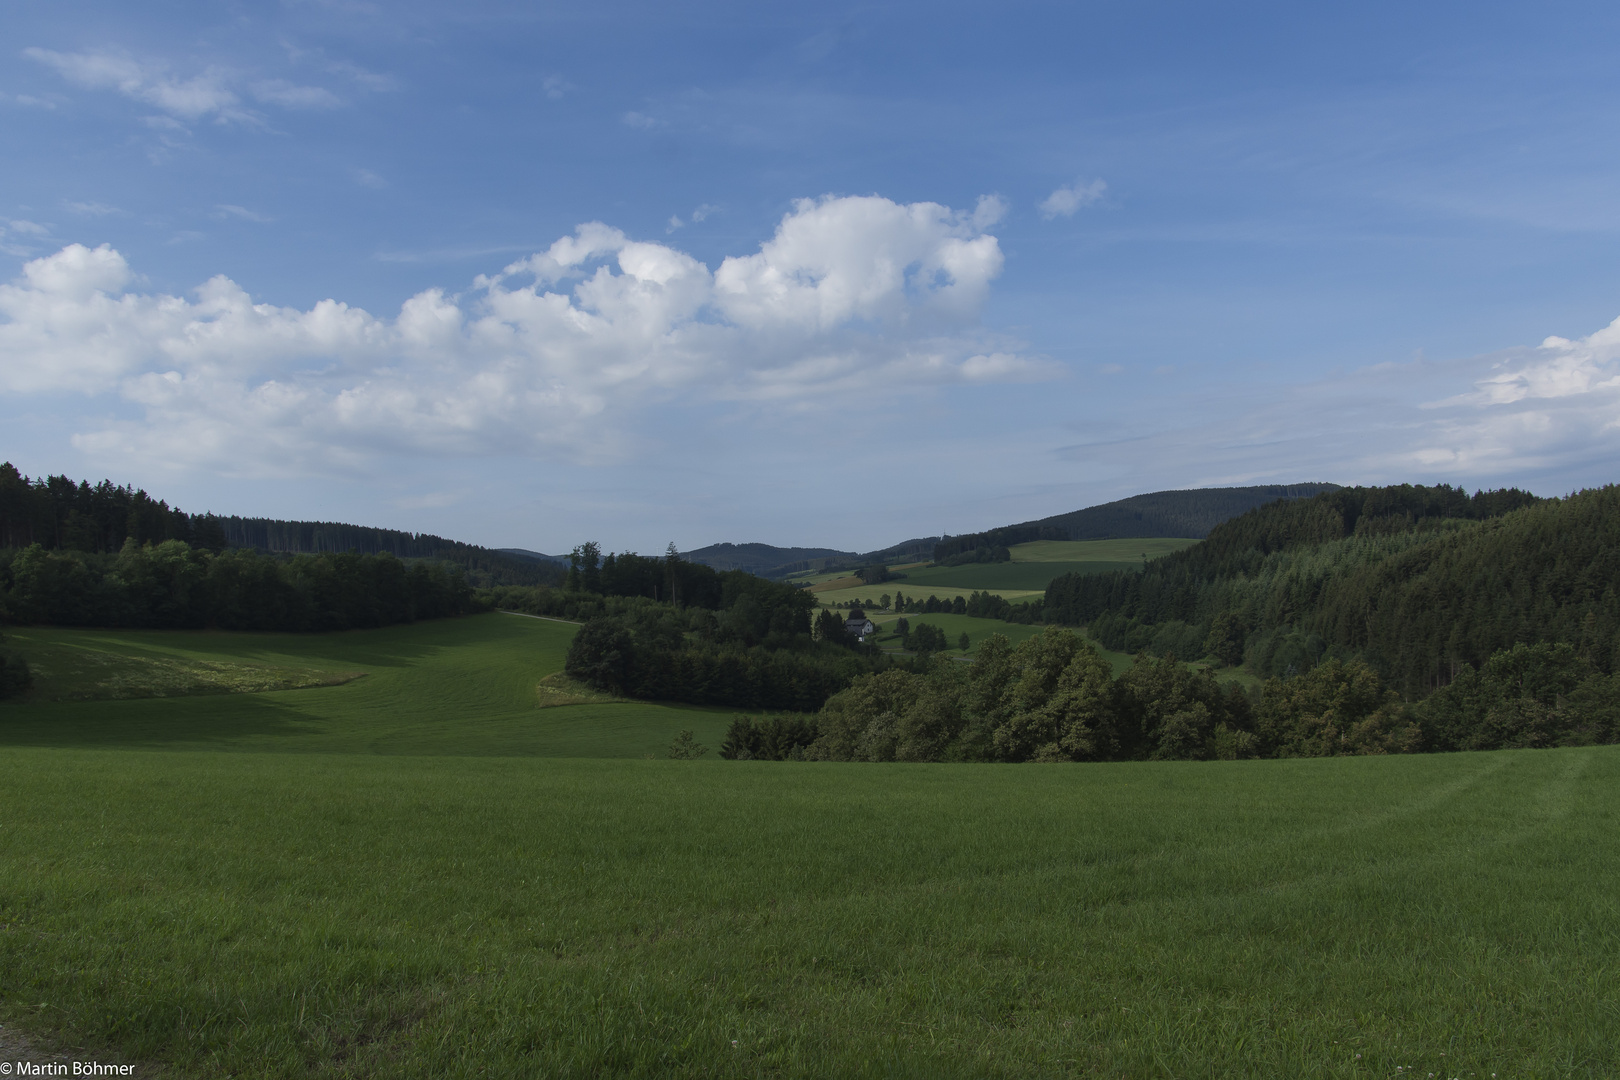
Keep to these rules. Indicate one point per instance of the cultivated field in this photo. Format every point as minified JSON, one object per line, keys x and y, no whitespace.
{"x":1032,"y":568}
{"x":450,"y":886}
{"x":1123,"y":553}
{"x":860,"y":594}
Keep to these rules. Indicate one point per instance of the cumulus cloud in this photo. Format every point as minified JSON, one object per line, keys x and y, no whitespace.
{"x":1547,"y":417}
{"x":215,"y":93}
{"x":1553,"y":406}
{"x":1067,"y":199}
{"x":555,"y":354}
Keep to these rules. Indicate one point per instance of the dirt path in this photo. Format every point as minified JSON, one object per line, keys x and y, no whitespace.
{"x":544,"y":618}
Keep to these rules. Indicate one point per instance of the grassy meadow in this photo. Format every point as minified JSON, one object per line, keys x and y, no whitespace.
{"x":457,"y":686}
{"x":424,"y":872}
{"x":1032,"y":568}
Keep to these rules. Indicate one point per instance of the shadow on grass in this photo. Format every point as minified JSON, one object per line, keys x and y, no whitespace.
{"x":210,"y":721}
{"x":394,"y":646}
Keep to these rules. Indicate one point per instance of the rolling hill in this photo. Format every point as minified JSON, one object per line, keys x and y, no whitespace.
{"x":1188,"y":514}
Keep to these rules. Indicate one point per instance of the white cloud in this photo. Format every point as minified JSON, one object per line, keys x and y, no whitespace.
{"x":556,"y":87}
{"x":641,"y":121}
{"x":212,"y":94}
{"x":31,"y":233}
{"x":92,"y":209}
{"x":700,"y":214}
{"x":860,"y":258}
{"x":287,"y":95}
{"x":1546,"y":417}
{"x":224,"y":210}
{"x":367,"y":178}
{"x":28,"y":101}
{"x":554,"y":355}
{"x":1067,"y":199}
{"x":1560,"y":368}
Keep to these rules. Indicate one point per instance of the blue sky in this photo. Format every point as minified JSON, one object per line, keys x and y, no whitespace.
{"x":834,"y":274}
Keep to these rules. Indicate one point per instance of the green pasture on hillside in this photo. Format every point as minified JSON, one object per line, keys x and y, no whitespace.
{"x":862,"y":593}
{"x":213,"y":914}
{"x":452,"y":686}
{"x":994,"y":577}
{"x":1126,"y":552}
{"x":1032,"y":568}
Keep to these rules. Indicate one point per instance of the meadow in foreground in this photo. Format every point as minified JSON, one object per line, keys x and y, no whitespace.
{"x":292,"y":915}
{"x":435,"y":898}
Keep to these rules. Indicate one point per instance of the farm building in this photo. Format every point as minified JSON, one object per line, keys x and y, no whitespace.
{"x":858,"y":624}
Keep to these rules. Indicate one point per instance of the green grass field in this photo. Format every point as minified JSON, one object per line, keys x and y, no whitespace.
{"x":459,"y":686}
{"x":862,"y":593}
{"x":1122,"y":553}
{"x":424,"y":873}
{"x":1032,"y":568}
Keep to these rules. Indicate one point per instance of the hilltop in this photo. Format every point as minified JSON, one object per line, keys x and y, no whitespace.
{"x":1186,"y":514}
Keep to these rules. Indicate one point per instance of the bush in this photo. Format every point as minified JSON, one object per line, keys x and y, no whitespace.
{"x":15,"y":677}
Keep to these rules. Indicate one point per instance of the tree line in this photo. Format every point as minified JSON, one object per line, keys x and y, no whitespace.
{"x":665,"y":628}
{"x":1053,"y":698}
{"x":175,"y":585}
{"x":61,"y":514}
{"x":482,"y":566}
{"x":754,"y":654}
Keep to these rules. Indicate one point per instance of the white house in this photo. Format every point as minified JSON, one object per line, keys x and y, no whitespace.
{"x":858,"y":624}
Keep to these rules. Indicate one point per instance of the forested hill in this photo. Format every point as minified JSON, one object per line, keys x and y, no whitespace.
{"x":61,"y":514}
{"x":483,"y":565}
{"x":1191,"y":513}
{"x":1419,"y":582}
{"x":56,"y":512}
{"x":766,"y":559}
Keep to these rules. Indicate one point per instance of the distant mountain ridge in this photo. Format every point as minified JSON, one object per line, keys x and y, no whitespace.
{"x":537,"y":556}
{"x":1190,"y":513}
{"x":58,"y":512}
{"x":765,"y":559}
